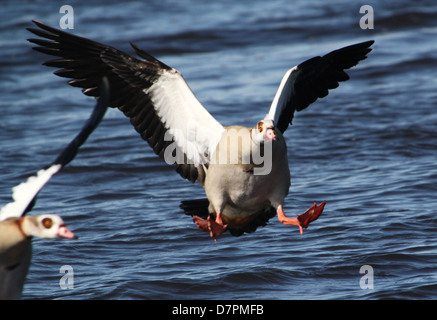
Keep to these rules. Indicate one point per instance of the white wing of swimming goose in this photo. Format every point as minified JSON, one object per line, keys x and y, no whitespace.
{"x":241,"y":194}
{"x":17,"y":229}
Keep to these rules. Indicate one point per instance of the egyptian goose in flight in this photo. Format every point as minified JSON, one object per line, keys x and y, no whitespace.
{"x":244,"y":171}
{"x":17,"y":229}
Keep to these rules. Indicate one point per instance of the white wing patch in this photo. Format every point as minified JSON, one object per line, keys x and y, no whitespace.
{"x":194,"y":130}
{"x":24,"y":193}
{"x":281,"y":97}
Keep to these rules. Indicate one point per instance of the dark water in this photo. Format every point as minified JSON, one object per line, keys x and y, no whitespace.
{"x":369,"y":149}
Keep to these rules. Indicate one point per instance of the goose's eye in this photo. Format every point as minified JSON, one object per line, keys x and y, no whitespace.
{"x":47,"y":223}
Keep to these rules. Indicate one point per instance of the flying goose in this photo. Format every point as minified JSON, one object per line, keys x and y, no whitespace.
{"x":17,"y":229}
{"x":244,"y":171}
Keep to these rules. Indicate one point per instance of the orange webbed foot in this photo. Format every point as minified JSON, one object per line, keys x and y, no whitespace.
{"x":303,"y":220}
{"x":214,"y":228}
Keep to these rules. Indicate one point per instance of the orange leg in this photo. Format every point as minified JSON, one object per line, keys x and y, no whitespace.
{"x":303,"y":220}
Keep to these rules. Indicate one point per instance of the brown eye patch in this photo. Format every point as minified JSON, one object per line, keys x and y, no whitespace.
{"x":260,"y":126}
{"x":47,"y":223}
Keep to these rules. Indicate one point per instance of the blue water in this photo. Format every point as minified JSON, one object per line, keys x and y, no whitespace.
{"x":369,"y":149}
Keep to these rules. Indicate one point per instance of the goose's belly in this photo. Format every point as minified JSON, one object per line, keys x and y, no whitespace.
{"x":244,"y":193}
{"x":242,"y":190}
{"x":248,"y":209}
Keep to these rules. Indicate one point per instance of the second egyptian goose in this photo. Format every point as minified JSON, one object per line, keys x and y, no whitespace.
{"x":17,"y":229}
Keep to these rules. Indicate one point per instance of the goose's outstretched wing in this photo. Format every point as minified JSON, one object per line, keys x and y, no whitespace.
{"x":156,"y":98}
{"x":24,"y":194}
{"x":306,"y":82}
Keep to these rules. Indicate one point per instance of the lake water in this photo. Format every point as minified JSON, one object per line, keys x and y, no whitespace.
{"x":369,"y":149}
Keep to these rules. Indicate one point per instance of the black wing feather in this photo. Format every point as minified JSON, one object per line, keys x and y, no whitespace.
{"x":314,"y":78}
{"x":85,"y":62}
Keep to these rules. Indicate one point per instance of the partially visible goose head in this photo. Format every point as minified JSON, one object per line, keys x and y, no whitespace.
{"x":264,"y":131}
{"x":47,"y":226}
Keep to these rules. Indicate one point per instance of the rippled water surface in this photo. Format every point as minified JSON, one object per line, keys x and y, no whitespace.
{"x":369,"y":149}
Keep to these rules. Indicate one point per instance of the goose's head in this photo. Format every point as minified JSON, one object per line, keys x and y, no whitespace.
{"x":47,"y":226}
{"x":264,"y":131}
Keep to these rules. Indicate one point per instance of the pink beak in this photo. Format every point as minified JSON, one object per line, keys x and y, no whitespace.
{"x":270,"y":134}
{"x":64,"y":232}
